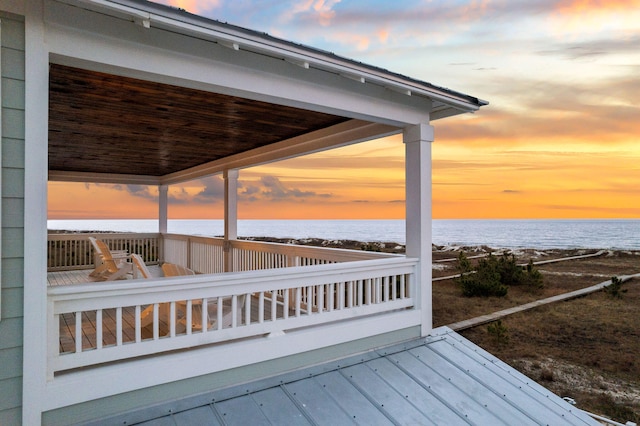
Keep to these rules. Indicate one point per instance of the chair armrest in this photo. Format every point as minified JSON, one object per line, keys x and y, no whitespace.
{"x":120,"y":254}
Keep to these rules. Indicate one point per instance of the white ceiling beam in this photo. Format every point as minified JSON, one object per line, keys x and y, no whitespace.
{"x":347,"y":133}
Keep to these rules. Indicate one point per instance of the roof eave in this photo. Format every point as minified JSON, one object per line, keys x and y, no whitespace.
{"x":150,"y":14}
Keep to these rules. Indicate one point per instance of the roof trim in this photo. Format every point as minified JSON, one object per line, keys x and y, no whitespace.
{"x":150,"y":14}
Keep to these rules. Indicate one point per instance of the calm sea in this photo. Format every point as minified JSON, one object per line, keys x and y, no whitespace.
{"x":618,"y":234}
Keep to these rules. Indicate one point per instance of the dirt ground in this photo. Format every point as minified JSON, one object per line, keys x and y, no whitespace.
{"x":586,"y":348}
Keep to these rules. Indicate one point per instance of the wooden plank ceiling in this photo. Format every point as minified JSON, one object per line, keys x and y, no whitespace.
{"x":103,"y":123}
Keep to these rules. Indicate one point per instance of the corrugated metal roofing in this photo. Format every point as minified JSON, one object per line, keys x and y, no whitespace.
{"x":441,"y":380}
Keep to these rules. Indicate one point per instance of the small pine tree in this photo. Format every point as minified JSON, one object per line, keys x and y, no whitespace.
{"x":615,"y":288}
{"x":499,"y":332}
{"x":532,"y":278}
{"x":464,"y":266}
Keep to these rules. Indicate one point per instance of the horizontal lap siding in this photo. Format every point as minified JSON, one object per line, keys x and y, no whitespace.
{"x":12,"y":301}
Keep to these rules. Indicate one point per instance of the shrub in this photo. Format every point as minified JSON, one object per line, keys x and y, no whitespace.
{"x":464,"y":266}
{"x":493,"y":276}
{"x":547,"y":375}
{"x":510,"y":271}
{"x":531,"y":277}
{"x":615,"y":288}
{"x":499,"y":332}
{"x":484,"y":282}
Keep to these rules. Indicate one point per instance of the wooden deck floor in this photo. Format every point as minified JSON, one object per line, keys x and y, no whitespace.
{"x":82,"y":276}
{"x":68,"y":321}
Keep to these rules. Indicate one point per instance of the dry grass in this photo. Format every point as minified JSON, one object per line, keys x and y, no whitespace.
{"x":587,"y":348}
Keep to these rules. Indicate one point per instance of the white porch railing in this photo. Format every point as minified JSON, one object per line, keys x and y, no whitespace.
{"x":74,"y":251}
{"x":207,"y":255}
{"x":230,"y":306}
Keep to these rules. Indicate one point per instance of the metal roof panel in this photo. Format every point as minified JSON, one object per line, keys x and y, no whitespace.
{"x":442,"y":379}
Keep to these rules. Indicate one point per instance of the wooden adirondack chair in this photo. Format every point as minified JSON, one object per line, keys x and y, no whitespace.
{"x":173,"y":270}
{"x":119,"y":256}
{"x":112,"y":268}
{"x":139,"y":267}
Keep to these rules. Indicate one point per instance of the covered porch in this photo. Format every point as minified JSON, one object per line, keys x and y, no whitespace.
{"x":276,"y":306}
{"x":122,"y":108}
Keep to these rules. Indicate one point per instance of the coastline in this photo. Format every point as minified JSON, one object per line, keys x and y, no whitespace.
{"x":618,"y":234}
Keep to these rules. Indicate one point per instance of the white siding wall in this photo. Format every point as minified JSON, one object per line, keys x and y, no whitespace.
{"x":12,"y":210}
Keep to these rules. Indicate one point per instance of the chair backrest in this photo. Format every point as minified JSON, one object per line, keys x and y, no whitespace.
{"x":94,"y":243}
{"x":104,"y":251}
{"x":140,"y":265}
{"x":173,"y":270}
{"x":107,"y":258}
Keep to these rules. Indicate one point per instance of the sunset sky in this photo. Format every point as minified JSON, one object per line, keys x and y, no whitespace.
{"x":560,"y":138}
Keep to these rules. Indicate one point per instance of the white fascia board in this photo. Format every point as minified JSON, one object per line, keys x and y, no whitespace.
{"x":245,"y":40}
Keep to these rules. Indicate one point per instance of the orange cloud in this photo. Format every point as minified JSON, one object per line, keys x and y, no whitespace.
{"x":383,"y":35}
{"x":474,"y":9}
{"x":583,"y":6}
{"x":193,"y":6}
{"x":573,"y":17}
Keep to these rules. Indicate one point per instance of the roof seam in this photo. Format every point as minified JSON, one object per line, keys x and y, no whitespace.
{"x":429,"y":389}
{"x":368,"y":396}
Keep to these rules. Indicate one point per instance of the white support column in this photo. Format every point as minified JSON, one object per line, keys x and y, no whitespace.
{"x":418,"y":141}
{"x":163,"y":203}
{"x":35,"y":215}
{"x":230,"y":215}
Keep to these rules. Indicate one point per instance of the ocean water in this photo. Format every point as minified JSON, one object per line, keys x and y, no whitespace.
{"x":605,"y":233}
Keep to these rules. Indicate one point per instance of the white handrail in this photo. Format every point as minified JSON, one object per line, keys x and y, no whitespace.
{"x":208,"y":255}
{"x":284,"y":299}
{"x":74,"y":251}
{"x":202,"y":254}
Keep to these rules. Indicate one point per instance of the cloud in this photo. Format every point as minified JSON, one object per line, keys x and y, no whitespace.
{"x":584,"y":17}
{"x":141,"y":191}
{"x":511,"y":191}
{"x":594,"y":48}
{"x":213,"y":190}
{"x":250,"y":190}
{"x":554,"y":110}
{"x":274,"y":189}
{"x":320,"y":11}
